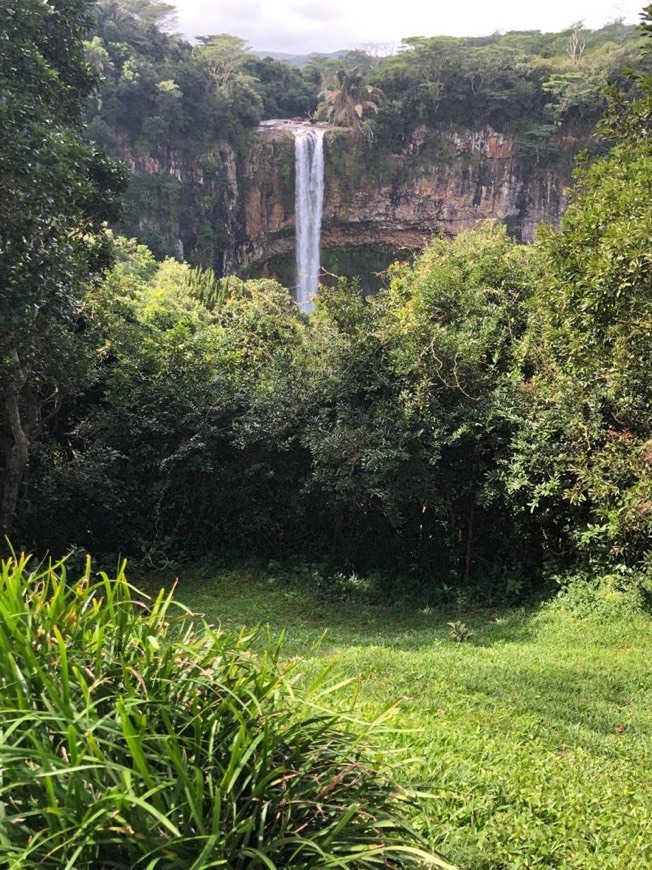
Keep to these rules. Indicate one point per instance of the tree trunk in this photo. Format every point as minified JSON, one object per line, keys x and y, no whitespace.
{"x":15,"y":463}
{"x":18,"y":444}
{"x":469,"y":544}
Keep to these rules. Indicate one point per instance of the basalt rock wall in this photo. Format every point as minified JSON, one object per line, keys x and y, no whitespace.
{"x":234,"y":209}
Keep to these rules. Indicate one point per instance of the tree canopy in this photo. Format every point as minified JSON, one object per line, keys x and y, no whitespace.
{"x":589,"y":345}
{"x":55,"y":193}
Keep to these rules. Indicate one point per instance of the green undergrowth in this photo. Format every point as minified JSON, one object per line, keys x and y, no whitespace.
{"x":133,"y":735}
{"x":531,"y":734}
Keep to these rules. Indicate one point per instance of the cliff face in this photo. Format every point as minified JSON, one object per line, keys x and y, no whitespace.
{"x":229,"y":210}
{"x":441,"y":183}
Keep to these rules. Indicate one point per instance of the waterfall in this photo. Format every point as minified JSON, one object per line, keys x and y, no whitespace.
{"x":308,"y":204}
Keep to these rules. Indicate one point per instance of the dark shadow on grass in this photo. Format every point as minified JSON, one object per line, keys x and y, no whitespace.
{"x":568,"y":699}
{"x":234,"y":599}
{"x":579,"y":698}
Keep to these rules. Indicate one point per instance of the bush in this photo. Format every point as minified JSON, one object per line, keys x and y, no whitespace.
{"x":136,"y":736}
{"x":604,"y":596}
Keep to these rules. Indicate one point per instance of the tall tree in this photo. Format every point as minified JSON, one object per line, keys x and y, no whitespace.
{"x":589,"y":443}
{"x":148,"y":11}
{"x":225,"y":55}
{"x":55,"y":193}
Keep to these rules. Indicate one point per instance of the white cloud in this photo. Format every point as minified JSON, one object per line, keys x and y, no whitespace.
{"x":317,"y":12}
{"x":305,"y":26}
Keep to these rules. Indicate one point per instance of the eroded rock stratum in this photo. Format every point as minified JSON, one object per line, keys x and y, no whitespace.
{"x":235,"y":209}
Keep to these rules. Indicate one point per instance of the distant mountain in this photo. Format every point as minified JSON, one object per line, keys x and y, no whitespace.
{"x":301,"y":60}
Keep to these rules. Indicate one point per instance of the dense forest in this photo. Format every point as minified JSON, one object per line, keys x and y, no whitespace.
{"x":484,"y":417}
{"x":157,"y":89}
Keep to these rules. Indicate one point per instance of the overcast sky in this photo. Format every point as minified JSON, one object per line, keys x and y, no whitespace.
{"x":302,"y":26}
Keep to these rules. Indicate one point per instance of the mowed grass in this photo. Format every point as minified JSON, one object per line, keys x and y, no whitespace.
{"x":533,"y":738}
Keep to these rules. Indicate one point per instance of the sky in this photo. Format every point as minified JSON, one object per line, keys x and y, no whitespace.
{"x":304,"y":26}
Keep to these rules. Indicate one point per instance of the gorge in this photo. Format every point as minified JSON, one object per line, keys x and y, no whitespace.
{"x":235,"y":211}
{"x":462,"y":130}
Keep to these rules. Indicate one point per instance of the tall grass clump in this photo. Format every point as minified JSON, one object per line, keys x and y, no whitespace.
{"x":133,"y":735}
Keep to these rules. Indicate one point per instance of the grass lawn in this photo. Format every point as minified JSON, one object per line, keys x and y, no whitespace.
{"x":533,"y":737}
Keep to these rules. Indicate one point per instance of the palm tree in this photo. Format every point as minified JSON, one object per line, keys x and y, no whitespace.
{"x":346,"y":97}
{"x":127,"y":15}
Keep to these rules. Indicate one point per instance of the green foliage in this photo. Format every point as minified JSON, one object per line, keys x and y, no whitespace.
{"x":176,"y":113}
{"x":346,"y":98}
{"x":374,"y":431}
{"x":152,"y":207}
{"x":225,"y":56}
{"x":157,"y":90}
{"x":514,"y":82}
{"x":136,"y":736}
{"x":194,"y":400}
{"x":284,"y":90}
{"x":416,"y":405}
{"x":605,"y":597}
{"x":532,"y":740}
{"x":484,"y":417}
{"x":459,"y":632}
{"x":585,"y":459}
{"x":173,"y":112}
{"x":55,"y":194}
{"x":207,"y":288}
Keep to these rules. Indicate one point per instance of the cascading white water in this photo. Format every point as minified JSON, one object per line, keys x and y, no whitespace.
{"x":308,"y":205}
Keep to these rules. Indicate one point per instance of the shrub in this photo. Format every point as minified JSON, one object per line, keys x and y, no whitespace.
{"x":459,"y":632}
{"x":603,"y":596}
{"x":136,"y":736}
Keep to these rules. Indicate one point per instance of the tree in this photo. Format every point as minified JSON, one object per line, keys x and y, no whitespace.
{"x":588,"y":449}
{"x":149,"y":12}
{"x":346,"y":97}
{"x":285,"y":91}
{"x":55,"y":193}
{"x":225,"y":55}
{"x":414,"y":410}
{"x":576,"y":42}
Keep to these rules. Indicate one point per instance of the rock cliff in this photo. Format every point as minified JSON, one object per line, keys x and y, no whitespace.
{"x":229,"y":210}
{"x":442,"y":183}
